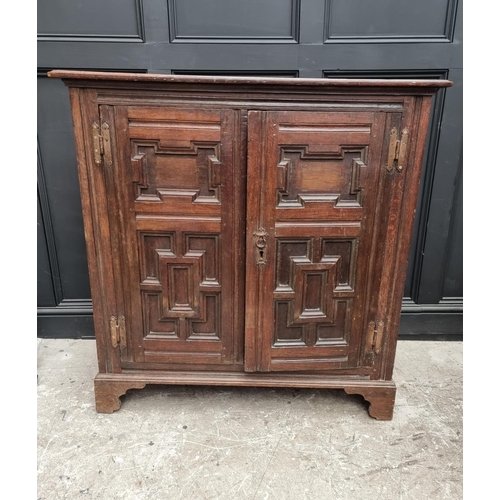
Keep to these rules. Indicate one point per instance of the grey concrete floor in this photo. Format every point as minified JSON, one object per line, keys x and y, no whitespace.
{"x":248,"y":443}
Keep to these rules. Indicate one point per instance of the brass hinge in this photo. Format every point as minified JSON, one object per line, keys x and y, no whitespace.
{"x":101,"y":143}
{"x":374,"y":337}
{"x":397,"y":150}
{"x":118,"y":331}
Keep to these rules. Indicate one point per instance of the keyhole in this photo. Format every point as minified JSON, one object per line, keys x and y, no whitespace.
{"x":261,"y":254}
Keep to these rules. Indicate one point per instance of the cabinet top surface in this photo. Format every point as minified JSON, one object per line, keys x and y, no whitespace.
{"x":100,"y":76}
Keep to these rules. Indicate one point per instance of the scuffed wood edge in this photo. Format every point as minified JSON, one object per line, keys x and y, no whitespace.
{"x":321,"y":82}
{"x":108,"y":393}
{"x":110,"y":386}
{"x":381,"y":400}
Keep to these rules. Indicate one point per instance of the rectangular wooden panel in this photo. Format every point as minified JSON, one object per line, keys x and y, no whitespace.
{"x":313,"y":195}
{"x":174,"y":179}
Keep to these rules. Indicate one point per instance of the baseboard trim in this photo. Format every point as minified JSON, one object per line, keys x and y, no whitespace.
{"x":65,"y":326}
{"x":431,"y":326}
{"x":447,"y":305}
{"x":442,"y":321}
{"x":73,"y":319}
{"x":72,"y":307}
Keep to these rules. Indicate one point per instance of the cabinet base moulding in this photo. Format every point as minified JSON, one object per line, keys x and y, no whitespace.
{"x":380,"y":394}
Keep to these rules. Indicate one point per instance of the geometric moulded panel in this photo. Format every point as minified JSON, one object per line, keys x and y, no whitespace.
{"x":192,"y":171}
{"x":312,"y":176}
{"x":181,"y":292}
{"x":313,"y":299}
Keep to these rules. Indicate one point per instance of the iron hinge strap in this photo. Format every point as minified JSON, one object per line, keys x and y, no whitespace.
{"x":101,"y":143}
{"x":397,"y":150}
{"x":375,"y":336}
{"x":118,"y":331}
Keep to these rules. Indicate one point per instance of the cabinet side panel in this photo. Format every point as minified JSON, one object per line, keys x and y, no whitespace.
{"x":417,"y":121}
{"x":88,"y":224}
{"x":102,"y":276}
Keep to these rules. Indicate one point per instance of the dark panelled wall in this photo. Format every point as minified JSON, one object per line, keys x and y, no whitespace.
{"x":290,"y":38}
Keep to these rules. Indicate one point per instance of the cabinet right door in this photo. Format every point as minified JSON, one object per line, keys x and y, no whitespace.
{"x":319,"y":203}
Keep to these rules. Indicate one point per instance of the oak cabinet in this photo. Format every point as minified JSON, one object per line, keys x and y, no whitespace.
{"x":247,"y":231}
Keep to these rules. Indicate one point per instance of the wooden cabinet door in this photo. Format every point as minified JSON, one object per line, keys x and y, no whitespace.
{"x":315,"y":182}
{"x":177,"y":231}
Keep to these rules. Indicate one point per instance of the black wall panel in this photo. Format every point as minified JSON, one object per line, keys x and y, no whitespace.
{"x":104,"y":20}
{"x":45,"y":290}
{"x":453,"y":277}
{"x":288,"y":38}
{"x":392,"y":20}
{"x":234,"y":20}
{"x":55,"y":134}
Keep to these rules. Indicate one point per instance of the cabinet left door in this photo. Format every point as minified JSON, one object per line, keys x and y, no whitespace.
{"x":174,"y":203}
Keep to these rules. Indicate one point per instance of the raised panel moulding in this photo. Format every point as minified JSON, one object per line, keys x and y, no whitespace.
{"x":234,"y":21}
{"x":365,"y":21}
{"x":91,"y":21}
